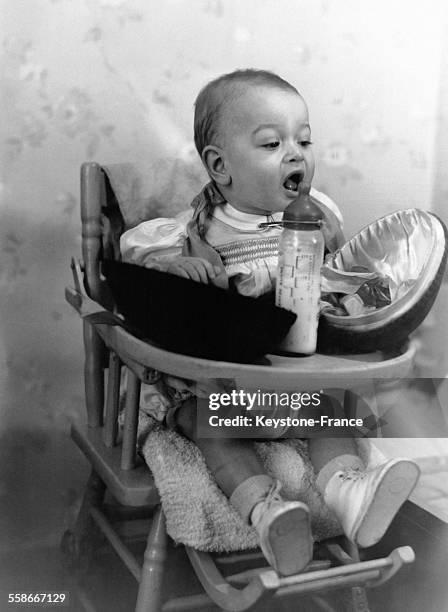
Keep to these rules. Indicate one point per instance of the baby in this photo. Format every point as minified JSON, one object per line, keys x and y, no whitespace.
{"x":253,"y":134}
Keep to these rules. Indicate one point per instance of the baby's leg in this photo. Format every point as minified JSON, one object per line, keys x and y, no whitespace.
{"x":330,"y":455}
{"x":283,"y":526}
{"x":364,"y":500}
{"x":232,"y":462}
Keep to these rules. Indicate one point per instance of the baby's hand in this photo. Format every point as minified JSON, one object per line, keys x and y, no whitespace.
{"x":195,"y":268}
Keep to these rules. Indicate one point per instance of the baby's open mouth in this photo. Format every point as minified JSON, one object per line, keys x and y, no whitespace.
{"x":293,"y":181}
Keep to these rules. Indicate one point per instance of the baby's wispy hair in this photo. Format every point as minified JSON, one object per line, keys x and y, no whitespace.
{"x":219,"y":94}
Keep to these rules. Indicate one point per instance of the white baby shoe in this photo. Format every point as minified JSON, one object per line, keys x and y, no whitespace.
{"x":366,"y":502}
{"x":284,"y":531}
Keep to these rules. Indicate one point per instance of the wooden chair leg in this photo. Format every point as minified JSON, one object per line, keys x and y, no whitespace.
{"x":93,"y":375}
{"x":149,"y":597}
{"x":93,"y":496}
{"x":356,"y":597}
{"x":359,"y":600}
{"x":77,"y":543}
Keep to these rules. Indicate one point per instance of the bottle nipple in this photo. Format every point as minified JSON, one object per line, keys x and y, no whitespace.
{"x":302,"y":210}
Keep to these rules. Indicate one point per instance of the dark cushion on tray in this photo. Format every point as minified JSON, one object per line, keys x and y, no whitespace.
{"x":192,"y":318}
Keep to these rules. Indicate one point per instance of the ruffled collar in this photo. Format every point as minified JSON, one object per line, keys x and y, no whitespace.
{"x":229,"y":215}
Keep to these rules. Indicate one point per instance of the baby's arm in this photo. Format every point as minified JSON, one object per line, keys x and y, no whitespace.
{"x":158,"y":244}
{"x":195,"y":268}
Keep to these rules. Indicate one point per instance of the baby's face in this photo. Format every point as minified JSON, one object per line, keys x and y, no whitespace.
{"x":268,"y":151}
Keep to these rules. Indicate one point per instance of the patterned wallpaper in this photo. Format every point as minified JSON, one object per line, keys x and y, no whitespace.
{"x":115,"y":80}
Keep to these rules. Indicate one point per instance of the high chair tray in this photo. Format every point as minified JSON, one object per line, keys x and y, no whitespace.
{"x":273,"y":371}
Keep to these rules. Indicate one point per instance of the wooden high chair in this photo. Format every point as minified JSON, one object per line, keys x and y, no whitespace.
{"x":118,"y":470}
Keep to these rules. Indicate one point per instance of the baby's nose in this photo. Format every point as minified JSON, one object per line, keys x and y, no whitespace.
{"x":294,"y":153}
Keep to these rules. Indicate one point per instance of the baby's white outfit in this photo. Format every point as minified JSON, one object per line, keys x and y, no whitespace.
{"x":249,"y":253}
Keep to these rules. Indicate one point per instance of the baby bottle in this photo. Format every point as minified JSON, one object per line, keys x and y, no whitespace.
{"x":300,"y":257}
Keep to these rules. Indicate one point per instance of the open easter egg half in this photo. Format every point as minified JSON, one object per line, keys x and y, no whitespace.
{"x":409,"y":249}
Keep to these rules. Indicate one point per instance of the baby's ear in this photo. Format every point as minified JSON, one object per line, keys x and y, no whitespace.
{"x":214,"y":161}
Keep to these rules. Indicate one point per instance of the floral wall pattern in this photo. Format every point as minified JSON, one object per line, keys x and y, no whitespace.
{"x":115,"y":80}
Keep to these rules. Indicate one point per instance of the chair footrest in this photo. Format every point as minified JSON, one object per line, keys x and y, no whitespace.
{"x":370,"y":573}
{"x":129,"y":487}
{"x":262,"y":584}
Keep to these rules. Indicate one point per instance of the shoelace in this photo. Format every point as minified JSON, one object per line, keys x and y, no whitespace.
{"x":273,"y":494}
{"x":352,"y":474}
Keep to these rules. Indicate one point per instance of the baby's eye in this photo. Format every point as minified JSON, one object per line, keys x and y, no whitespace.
{"x":271,"y":145}
{"x":305,"y":143}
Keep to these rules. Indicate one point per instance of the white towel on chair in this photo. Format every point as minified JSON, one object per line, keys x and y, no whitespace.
{"x":197,"y":512}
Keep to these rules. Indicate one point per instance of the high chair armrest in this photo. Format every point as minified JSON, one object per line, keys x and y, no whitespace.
{"x":84,"y":305}
{"x":89,"y":309}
